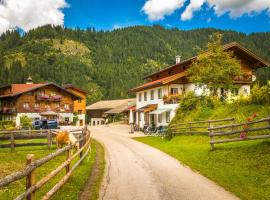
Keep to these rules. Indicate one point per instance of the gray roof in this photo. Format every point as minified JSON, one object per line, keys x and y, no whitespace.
{"x":111,"y":104}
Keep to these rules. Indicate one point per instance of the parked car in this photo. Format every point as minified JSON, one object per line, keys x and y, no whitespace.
{"x":45,"y":124}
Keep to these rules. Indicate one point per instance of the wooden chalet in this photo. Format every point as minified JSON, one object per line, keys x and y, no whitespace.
{"x":163,"y":88}
{"x":37,"y":101}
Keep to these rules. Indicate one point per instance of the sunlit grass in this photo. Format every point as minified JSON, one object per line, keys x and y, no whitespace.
{"x":242,"y":167}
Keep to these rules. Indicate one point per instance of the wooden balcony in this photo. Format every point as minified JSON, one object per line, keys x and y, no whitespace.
{"x":7,"y":110}
{"x":171,"y":99}
{"x":55,"y":98}
{"x":246,"y":78}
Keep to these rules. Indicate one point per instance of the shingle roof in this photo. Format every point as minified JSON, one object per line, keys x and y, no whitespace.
{"x":17,"y":89}
{"x":158,"y":82}
{"x":228,"y":46}
{"x":110,"y":104}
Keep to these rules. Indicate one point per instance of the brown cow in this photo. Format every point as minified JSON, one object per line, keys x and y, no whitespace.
{"x":65,"y":138}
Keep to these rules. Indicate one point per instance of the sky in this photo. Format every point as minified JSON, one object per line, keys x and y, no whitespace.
{"x":240,"y":15}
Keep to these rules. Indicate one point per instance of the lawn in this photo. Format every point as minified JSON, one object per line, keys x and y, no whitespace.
{"x":242,"y":168}
{"x":13,"y":161}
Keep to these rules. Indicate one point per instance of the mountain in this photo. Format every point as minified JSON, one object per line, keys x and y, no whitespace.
{"x":107,"y":63}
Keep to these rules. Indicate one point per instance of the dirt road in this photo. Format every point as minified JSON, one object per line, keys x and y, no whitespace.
{"x":138,"y":171}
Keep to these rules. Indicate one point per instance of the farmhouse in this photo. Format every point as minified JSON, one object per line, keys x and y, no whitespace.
{"x":100,"y":110}
{"x":157,"y":99}
{"x":37,"y":101}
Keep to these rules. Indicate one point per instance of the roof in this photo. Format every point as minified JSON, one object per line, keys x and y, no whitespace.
{"x":147,"y":108}
{"x":110,"y":104}
{"x":18,"y":89}
{"x":159,"y":82}
{"x":121,"y":108}
{"x":228,"y":46}
{"x":74,"y":87}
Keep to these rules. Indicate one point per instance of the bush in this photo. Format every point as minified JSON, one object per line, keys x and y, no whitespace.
{"x":260,"y":95}
{"x":26,"y":122}
{"x":189,"y":102}
{"x":7,"y":125}
{"x":75,"y":120}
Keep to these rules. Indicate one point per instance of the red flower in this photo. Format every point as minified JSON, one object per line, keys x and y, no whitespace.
{"x":242,"y":135}
{"x":249,"y":119}
{"x":254,"y":115}
{"x":245,"y":126}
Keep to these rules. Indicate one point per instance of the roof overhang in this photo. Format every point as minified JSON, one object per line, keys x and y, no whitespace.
{"x":259,"y":62}
{"x":159,"y":82}
{"x":75,"y":96}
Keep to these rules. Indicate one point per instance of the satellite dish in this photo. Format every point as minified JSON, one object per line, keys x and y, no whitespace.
{"x":253,"y":78}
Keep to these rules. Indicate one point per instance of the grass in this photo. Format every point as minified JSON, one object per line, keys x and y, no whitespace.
{"x":13,"y":161}
{"x":242,"y":167}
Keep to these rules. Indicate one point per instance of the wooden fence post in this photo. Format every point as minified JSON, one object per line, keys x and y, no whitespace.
{"x":212,"y":140}
{"x":67,"y":157}
{"x":30,"y":178}
{"x":49,"y":137}
{"x":12,"y":141}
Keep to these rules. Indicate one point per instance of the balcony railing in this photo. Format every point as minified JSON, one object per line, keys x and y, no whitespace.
{"x":7,"y":110}
{"x":48,"y":98}
{"x":243,"y":78}
{"x":171,"y":99}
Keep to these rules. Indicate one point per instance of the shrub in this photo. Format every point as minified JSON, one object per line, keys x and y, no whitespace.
{"x":26,"y":122}
{"x":189,"y":102}
{"x":7,"y":125}
{"x":75,"y":119}
{"x":260,"y":95}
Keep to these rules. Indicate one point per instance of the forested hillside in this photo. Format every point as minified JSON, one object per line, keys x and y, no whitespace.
{"x":107,"y":64}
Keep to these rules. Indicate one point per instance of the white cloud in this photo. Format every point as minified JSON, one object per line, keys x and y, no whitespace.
{"x":192,"y":7}
{"x":157,"y":9}
{"x":236,"y":8}
{"x":29,"y":14}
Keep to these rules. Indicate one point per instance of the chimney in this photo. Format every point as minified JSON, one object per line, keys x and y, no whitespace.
{"x":29,"y":80}
{"x":177,"y":59}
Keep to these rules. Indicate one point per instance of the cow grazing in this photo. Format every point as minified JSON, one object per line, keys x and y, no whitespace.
{"x":65,"y":138}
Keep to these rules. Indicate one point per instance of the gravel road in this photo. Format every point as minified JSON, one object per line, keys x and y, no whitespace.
{"x":136,"y":171}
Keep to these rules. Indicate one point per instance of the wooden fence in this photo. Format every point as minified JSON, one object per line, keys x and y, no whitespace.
{"x":29,"y":171}
{"x":241,"y":128}
{"x":197,"y":127}
{"x":12,"y":136}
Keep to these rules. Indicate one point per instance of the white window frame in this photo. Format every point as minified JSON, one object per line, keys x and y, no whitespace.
{"x":152,"y":94}
{"x":159,"y":93}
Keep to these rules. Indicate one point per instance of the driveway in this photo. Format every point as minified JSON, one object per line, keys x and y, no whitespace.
{"x":136,"y":171}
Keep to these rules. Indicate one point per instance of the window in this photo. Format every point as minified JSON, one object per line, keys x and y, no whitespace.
{"x":152,"y":94}
{"x":159,"y":118}
{"x":140,"y":97}
{"x":53,"y":93}
{"x":79,"y":112}
{"x":168,"y":117}
{"x":160,"y":93}
{"x":145,"y":96}
{"x":57,"y":105}
{"x":25,"y":105}
{"x":79,"y":101}
{"x":47,"y":106}
{"x":37,"y":105}
{"x":66,"y":106}
{"x":235,"y":92}
{"x":174,"y":90}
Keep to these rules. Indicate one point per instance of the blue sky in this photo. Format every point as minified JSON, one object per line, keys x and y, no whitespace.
{"x":108,"y":14}
{"x":240,"y":15}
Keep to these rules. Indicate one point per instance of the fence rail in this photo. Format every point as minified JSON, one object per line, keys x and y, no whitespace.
{"x":242,"y":128}
{"x":29,"y":171}
{"x":12,"y":136}
{"x":191,"y":127}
